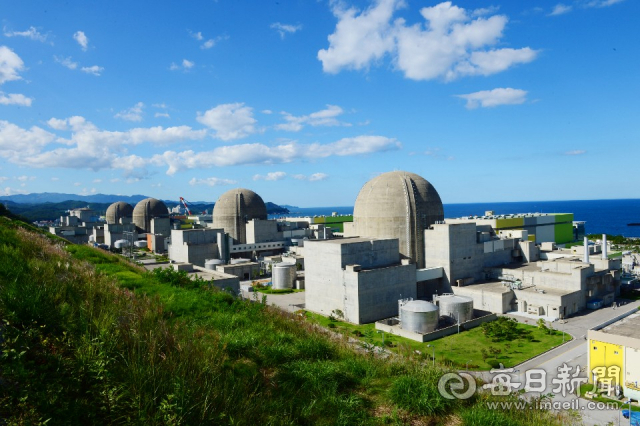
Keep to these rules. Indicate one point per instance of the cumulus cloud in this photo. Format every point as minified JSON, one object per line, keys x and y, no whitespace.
{"x":95,"y":70}
{"x":318,"y":176}
{"x":230,"y":121}
{"x":185,"y":66}
{"x":451,"y":43}
{"x":602,"y":3}
{"x":560,"y":9}
{"x":12,"y":191}
{"x":10,"y":65}
{"x":284,"y":29}
{"x":495,"y":97}
{"x":82,"y":40}
{"x":576,"y":152}
{"x":271,"y":176}
{"x":131,"y":114}
{"x":256,"y":153}
{"x":14,"y":99}
{"x":325,"y":117}
{"x":212,"y":181}
{"x":162,"y":115}
{"x":57,"y":124}
{"x":66,"y":62}
{"x":31,"y":33}
{"x":25,"y":178}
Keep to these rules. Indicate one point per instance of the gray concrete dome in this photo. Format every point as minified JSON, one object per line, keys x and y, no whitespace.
{"x":234,"y":208}
{"x":117,"y":211}
{"x":146,"y":210}
{"x":398,"y":205}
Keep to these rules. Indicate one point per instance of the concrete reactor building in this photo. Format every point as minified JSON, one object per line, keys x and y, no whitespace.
{"x":119,"y":213}
{"x":234,"y":209}
{"x":152,"y":216}
{"x":397,"y":205}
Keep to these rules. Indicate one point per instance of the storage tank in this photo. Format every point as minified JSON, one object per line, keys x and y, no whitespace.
{"x":212,"y":263}
{"x":140,"y":243}
{"x":239,"y":261}
{"x":419,"y":316}
{"x":121,"y":243}
{"x":460,"y":308}
{"x":283,"y":275}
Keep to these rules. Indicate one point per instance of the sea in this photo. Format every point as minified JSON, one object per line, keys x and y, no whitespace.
{"x":601,"y":216}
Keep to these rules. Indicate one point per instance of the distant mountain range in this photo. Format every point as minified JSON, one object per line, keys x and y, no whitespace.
{"x":52,"y":205}
{"x":56,"y":197}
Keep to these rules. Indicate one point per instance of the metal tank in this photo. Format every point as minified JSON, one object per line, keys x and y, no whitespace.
{"x":283,"y":275}
{"x":121,"y":243}
{"x":140,"y":243}
{"x":212,"y":263}
{"x":419,"y":316}
{"x":459,"y":308}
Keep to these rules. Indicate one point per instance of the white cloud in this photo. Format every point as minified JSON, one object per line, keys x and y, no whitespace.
{"x":198,"y":36}
{"x":450,"y":44}
{"x":318,"y":176}
{"x":271,"y":176}
{"x":576,"y":152}
{"x":325,"y":117}
{"x":97,"y":181}
{"x":560,"y":9}
{"x":256,"y":153}
{"x":161,"y":105}
{"x":360,"y":39}
{"x":14,"y":99}
{"x":3,"y":179}
{"x":57,"y":124}
{"x":284,"y":29}
{"x":162,"y":114}
{"x":95,"y":70}
{"x":77,"y":184}
{"x":55,"y":179}
{"x":11,"y":191}
{"x":131,"y":114}
{"x":266,"y":111}
{"x":230,"y":121}
{"x":602,"y":3}
{"x":185,"y":66}
{"x":212,"y":181}
{"x":31,"y":33}
{"x":25,"y":178}
{"x":485,"y":11}
{"x":16,"y":143}
{"x":82,"y":39}
{"x":10,"y":65}
{"x":66,"y":62}
{"x":208,"y":44}
{"x":495,"y":97}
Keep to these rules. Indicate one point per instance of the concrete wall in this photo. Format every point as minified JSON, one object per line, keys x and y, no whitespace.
{"x":195,"y":254}
{"x":244,"y":271}
{"x":491,"y":301}
{"x":161,"y":225}
{"x":259,"y":231}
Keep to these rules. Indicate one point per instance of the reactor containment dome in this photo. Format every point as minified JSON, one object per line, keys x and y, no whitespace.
{"x":148,"y":209}
{"x":398,"y":205}
{"x":234,"y":209}
{"x":117,"y":211}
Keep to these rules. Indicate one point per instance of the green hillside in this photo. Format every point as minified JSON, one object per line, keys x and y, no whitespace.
{"x":87,"y":338}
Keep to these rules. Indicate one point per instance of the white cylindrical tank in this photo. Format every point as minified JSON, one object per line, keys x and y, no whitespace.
{"x":121,"y":243}
{"x":459,"y":308}
{"x":283,"y":275}
{"x":140,"y":243}
{"x":238,"y":261}
{"x":212,"y":263}
{"x":419,"y":316}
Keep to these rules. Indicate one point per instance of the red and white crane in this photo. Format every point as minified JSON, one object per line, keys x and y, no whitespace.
{"x":186,"y":207}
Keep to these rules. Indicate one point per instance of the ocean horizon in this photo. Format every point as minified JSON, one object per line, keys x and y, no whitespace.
{"x":600,"y":216}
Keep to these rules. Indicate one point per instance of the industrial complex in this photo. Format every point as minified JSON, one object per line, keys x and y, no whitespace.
{"x":397,"y":262}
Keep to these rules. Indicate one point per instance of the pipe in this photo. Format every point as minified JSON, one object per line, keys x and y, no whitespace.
{"x":604,"y":247}
{"x":585,"y":258}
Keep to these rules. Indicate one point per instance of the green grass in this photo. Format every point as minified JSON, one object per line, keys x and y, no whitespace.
{"x":459,"y":350}
{"x":269,"y":290}
{"x":587,"y":387}
{"x":89,"y":338}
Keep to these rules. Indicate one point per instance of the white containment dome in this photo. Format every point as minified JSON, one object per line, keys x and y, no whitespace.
{"x":118,"y":211}
{"x":419,"y":316}
{"x":121,"y":243}
{"x":458,"y":308}
{"x":283,"y":276}
{"x":398,"y":205}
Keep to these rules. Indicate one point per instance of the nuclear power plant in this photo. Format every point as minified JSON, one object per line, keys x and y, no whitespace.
{"x":399,"y":263}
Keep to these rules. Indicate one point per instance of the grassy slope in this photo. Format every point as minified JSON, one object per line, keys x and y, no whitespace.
{"x":81,"y":348}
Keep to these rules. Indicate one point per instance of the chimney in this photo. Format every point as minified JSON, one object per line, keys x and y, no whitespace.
{"x":585,"y":258}
{"x":604,"y":247}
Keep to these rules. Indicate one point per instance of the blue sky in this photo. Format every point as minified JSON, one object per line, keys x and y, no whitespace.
{"x":304,"y":101}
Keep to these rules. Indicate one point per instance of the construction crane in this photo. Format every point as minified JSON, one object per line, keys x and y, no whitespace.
{"x":186,"y":207}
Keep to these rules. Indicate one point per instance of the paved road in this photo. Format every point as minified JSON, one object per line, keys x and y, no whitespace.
{"x":574,"y":355}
